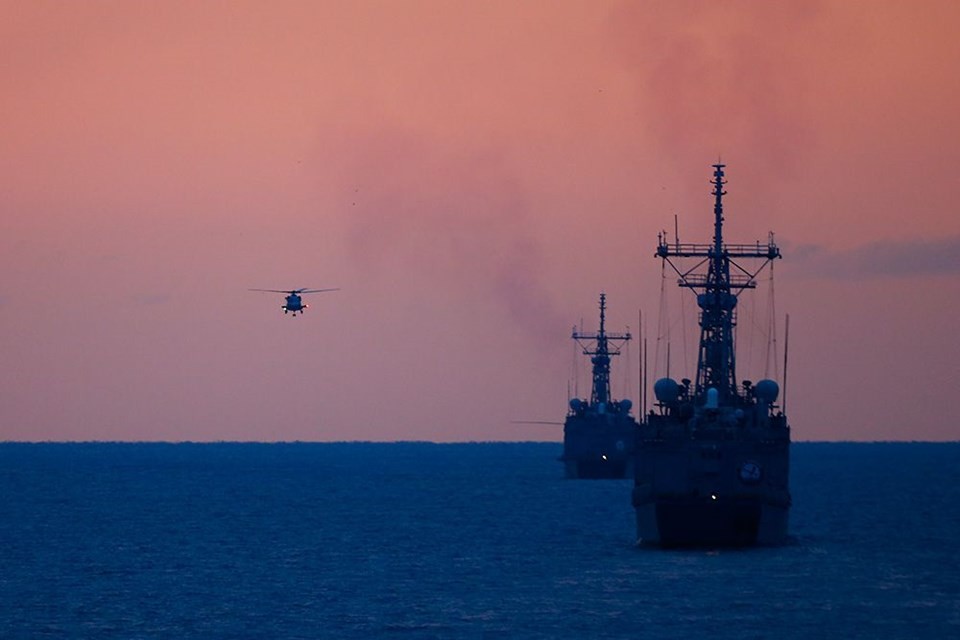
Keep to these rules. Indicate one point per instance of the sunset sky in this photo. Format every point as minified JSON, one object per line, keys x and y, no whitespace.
{"x":471,"y":175}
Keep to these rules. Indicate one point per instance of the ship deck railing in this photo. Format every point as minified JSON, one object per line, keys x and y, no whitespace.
{"x":702,"y":250}
{"x":701,"y":280}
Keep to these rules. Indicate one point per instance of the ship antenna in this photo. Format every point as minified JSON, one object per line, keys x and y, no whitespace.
{"x":645,"y":369}
{"x":576,"y":373}
{"x":641,"y":379}
{"x":772,"y":352}
{"x":668,"y":358}
{"x":603,"y":314}
{"x":718,"y":194}
{"x":601,"y":359}
{"x":786,"y":349}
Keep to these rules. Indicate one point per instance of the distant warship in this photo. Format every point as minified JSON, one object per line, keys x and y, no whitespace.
{"x":598,"y":434}
{"x":712,"y":460}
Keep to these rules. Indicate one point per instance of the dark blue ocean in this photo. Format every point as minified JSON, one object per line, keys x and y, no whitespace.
{"x":417,"y":540}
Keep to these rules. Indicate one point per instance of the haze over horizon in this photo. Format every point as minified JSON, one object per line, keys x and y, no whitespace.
{"x":472,"y":176}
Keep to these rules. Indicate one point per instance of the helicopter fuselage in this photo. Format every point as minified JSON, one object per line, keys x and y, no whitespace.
{"x":293,"y":304}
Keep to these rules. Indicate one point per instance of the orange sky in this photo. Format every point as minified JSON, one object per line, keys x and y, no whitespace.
{"x":472,"y":175}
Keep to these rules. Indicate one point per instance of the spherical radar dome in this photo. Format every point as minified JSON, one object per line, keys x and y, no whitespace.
{"x":666,"y":390}
{"x":767,"y":391}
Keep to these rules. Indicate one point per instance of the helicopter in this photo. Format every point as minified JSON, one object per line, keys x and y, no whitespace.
{"x":293,"y":302}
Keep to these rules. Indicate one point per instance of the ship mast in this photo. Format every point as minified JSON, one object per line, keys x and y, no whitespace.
{"x":600,"y":347}
{"x":716,"y":363}
{"x":717,"y":294}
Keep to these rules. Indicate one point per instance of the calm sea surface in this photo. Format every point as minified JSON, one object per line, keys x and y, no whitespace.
{"x":415,"y":540}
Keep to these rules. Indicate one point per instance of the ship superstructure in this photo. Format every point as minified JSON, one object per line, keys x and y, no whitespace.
{"x":712,"y":460}
{"x":598,"y":433}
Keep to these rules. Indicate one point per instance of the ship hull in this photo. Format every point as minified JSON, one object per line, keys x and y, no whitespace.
{"x":712,"y":486}
{"x":697,"y":522}
{"x":599,"y":447}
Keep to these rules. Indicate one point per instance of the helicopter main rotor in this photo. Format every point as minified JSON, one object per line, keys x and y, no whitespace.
{"x":296,"y":291}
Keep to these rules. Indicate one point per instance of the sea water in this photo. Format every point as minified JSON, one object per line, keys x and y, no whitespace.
{"x":486,"y":540}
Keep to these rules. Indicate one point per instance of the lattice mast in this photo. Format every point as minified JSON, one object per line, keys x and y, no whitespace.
{"x":600,"y":347}
{"x":718,"y":292}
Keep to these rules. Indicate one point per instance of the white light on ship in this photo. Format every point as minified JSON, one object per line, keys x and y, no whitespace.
{"x":713,"y":496}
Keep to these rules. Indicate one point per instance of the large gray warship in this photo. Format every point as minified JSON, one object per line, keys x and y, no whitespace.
{"x":598,"y":434}
{"x":712,"y":459}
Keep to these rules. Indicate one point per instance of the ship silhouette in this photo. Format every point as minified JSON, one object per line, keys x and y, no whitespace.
{"x":712,"y":459}
{"x":599,"y":433}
